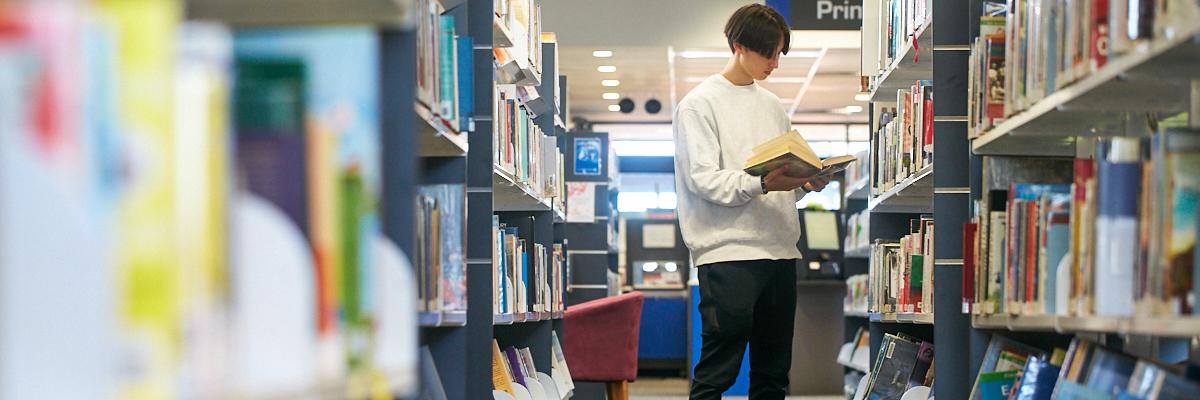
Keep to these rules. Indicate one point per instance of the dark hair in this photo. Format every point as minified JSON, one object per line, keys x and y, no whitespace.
{"x":758,"y":28}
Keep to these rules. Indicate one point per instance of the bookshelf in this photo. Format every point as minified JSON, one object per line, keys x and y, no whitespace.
{"x":923,"y":54}
{"x":911,"y":196}
{"x":907,"y":66}
{"x":1113,"y":97}
{"x":437,"y":139}
{"x":1061,"y":140}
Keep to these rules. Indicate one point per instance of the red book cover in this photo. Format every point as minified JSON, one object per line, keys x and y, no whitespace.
{"x":1099,"y":34}
{"x":1031,"y":250}
{"x":928,"y":123}
{"x":1010,"y":244}
{"x":968,"y":252}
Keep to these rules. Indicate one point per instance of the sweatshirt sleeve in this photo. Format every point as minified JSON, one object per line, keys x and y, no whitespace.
{"x":699,"y":151}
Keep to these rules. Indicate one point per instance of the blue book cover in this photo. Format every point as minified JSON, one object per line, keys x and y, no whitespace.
{"x":1119,"y":181}
{"x":466,"y":82}
{"x":1075,"y":391}
{"x":525,"y":277}
{"x":1110,"y":371}
{"x":447,"y":70}
{"x":1038,"y":379}
{"x":1058,"y":243}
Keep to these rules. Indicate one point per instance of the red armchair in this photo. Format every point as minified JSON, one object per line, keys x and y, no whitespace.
{"x":601,"y":341}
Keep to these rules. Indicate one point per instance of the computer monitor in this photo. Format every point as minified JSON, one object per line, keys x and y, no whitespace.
{"x":821,"y":231}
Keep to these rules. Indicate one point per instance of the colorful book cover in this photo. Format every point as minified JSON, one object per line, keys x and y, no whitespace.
{"x":1183,"y":191}
{"x":997,"y":385}
{"x":514,"y":363}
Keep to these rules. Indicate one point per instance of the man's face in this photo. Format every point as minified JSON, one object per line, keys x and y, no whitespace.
{"x":756,"y":65}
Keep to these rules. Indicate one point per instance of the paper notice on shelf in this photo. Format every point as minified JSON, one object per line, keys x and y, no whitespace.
{"x":581,"y":202}
{"x":658,"y":236}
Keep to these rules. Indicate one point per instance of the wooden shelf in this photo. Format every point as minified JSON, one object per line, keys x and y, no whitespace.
{"x":902,"y":318}
{"x":509,"y":194}
{"x":1148,"y":326}
{"x":912,"y":64}
{"x":436,"y":319}
{"x":438,"y":139}
{"x":1098,"y":105}
{"x":242,"y":13}
{"x":911,"y":195}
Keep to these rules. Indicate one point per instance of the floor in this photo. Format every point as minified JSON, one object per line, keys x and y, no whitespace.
{"x":677,"y":389}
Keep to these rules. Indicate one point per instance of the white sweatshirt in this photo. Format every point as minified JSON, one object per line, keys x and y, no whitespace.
{"x":723,"y":214}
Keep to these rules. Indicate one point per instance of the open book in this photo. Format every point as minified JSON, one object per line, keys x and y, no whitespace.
{"x":791,"y":151}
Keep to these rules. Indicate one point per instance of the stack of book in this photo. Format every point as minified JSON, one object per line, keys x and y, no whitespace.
{"x":514,"y":373}
{"x":856,"y":295}
{"x":902,"y":364}
{"x":1028,"y":49}
{"x":439,"y":256}
{"x":858,"y":231}
{"x":903,"y":144}
{"x":528,"y":276}
{"x":986,"y":74}
{"x":1036,"y":248}
{"x":443,"y":66}
{"x":901,"y":273}
{"x":1086,"y":371}
{"x":890,"y":27}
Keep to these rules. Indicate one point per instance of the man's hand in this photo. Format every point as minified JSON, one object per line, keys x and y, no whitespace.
{"x":776,"y":181}
{"x":816,"y":183}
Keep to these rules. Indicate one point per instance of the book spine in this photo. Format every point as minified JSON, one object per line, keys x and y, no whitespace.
{"x":1119,"y":178}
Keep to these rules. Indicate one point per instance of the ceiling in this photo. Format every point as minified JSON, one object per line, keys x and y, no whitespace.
{"x":653,"y":43}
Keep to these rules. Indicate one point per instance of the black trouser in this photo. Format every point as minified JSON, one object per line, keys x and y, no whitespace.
{"x":740,"y":302}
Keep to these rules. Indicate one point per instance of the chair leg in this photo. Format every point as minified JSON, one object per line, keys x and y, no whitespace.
{"x":618,"y":390}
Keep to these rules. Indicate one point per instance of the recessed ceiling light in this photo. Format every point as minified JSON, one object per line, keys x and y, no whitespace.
{"x":602,"y":53}
{"x":606,"y":68}
{"x":614,"y":108}
{"x":862,"y":97}
{"x":611,"y":96}
{"x":854,"y":109}
{"x":610,"y":83}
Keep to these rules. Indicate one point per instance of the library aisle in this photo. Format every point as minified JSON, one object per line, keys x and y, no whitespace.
{"x":478,"y":199}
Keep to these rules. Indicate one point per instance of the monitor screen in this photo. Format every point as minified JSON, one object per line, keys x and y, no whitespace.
{"x":821,"y":230}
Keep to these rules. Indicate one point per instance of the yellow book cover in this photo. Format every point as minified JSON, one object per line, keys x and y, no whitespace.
{"x":501,"y":377}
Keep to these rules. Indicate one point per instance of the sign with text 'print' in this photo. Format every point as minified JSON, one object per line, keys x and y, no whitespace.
{"x":821,"y":15}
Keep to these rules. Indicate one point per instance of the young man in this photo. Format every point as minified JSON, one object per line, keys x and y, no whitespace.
{"x":742,"y":230}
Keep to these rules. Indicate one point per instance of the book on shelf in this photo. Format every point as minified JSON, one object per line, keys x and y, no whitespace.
{"x":443,"y":65}
{"x":1038,"y":377}
{"x":889,"y":28}
{"x":858,"y":230}
{"x":1048,"y":45}
{"x":1124,"y":227}
{"x":523,"y":20}
{"x":523,"y":149}
{"x":856,"y":294}
{"x":899,"y":358}
{"x":1000,"y":367}
{"x":901,"y":278}
{"x":502,"y":376}
{"x":903,"y":141}
{"x":528,"y":276}
{"x":439,"y":256}
{"x":792,"y":152}
{"x":559,"y":370}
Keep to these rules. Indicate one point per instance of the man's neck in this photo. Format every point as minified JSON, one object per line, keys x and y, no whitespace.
{"x":735,"y":74}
